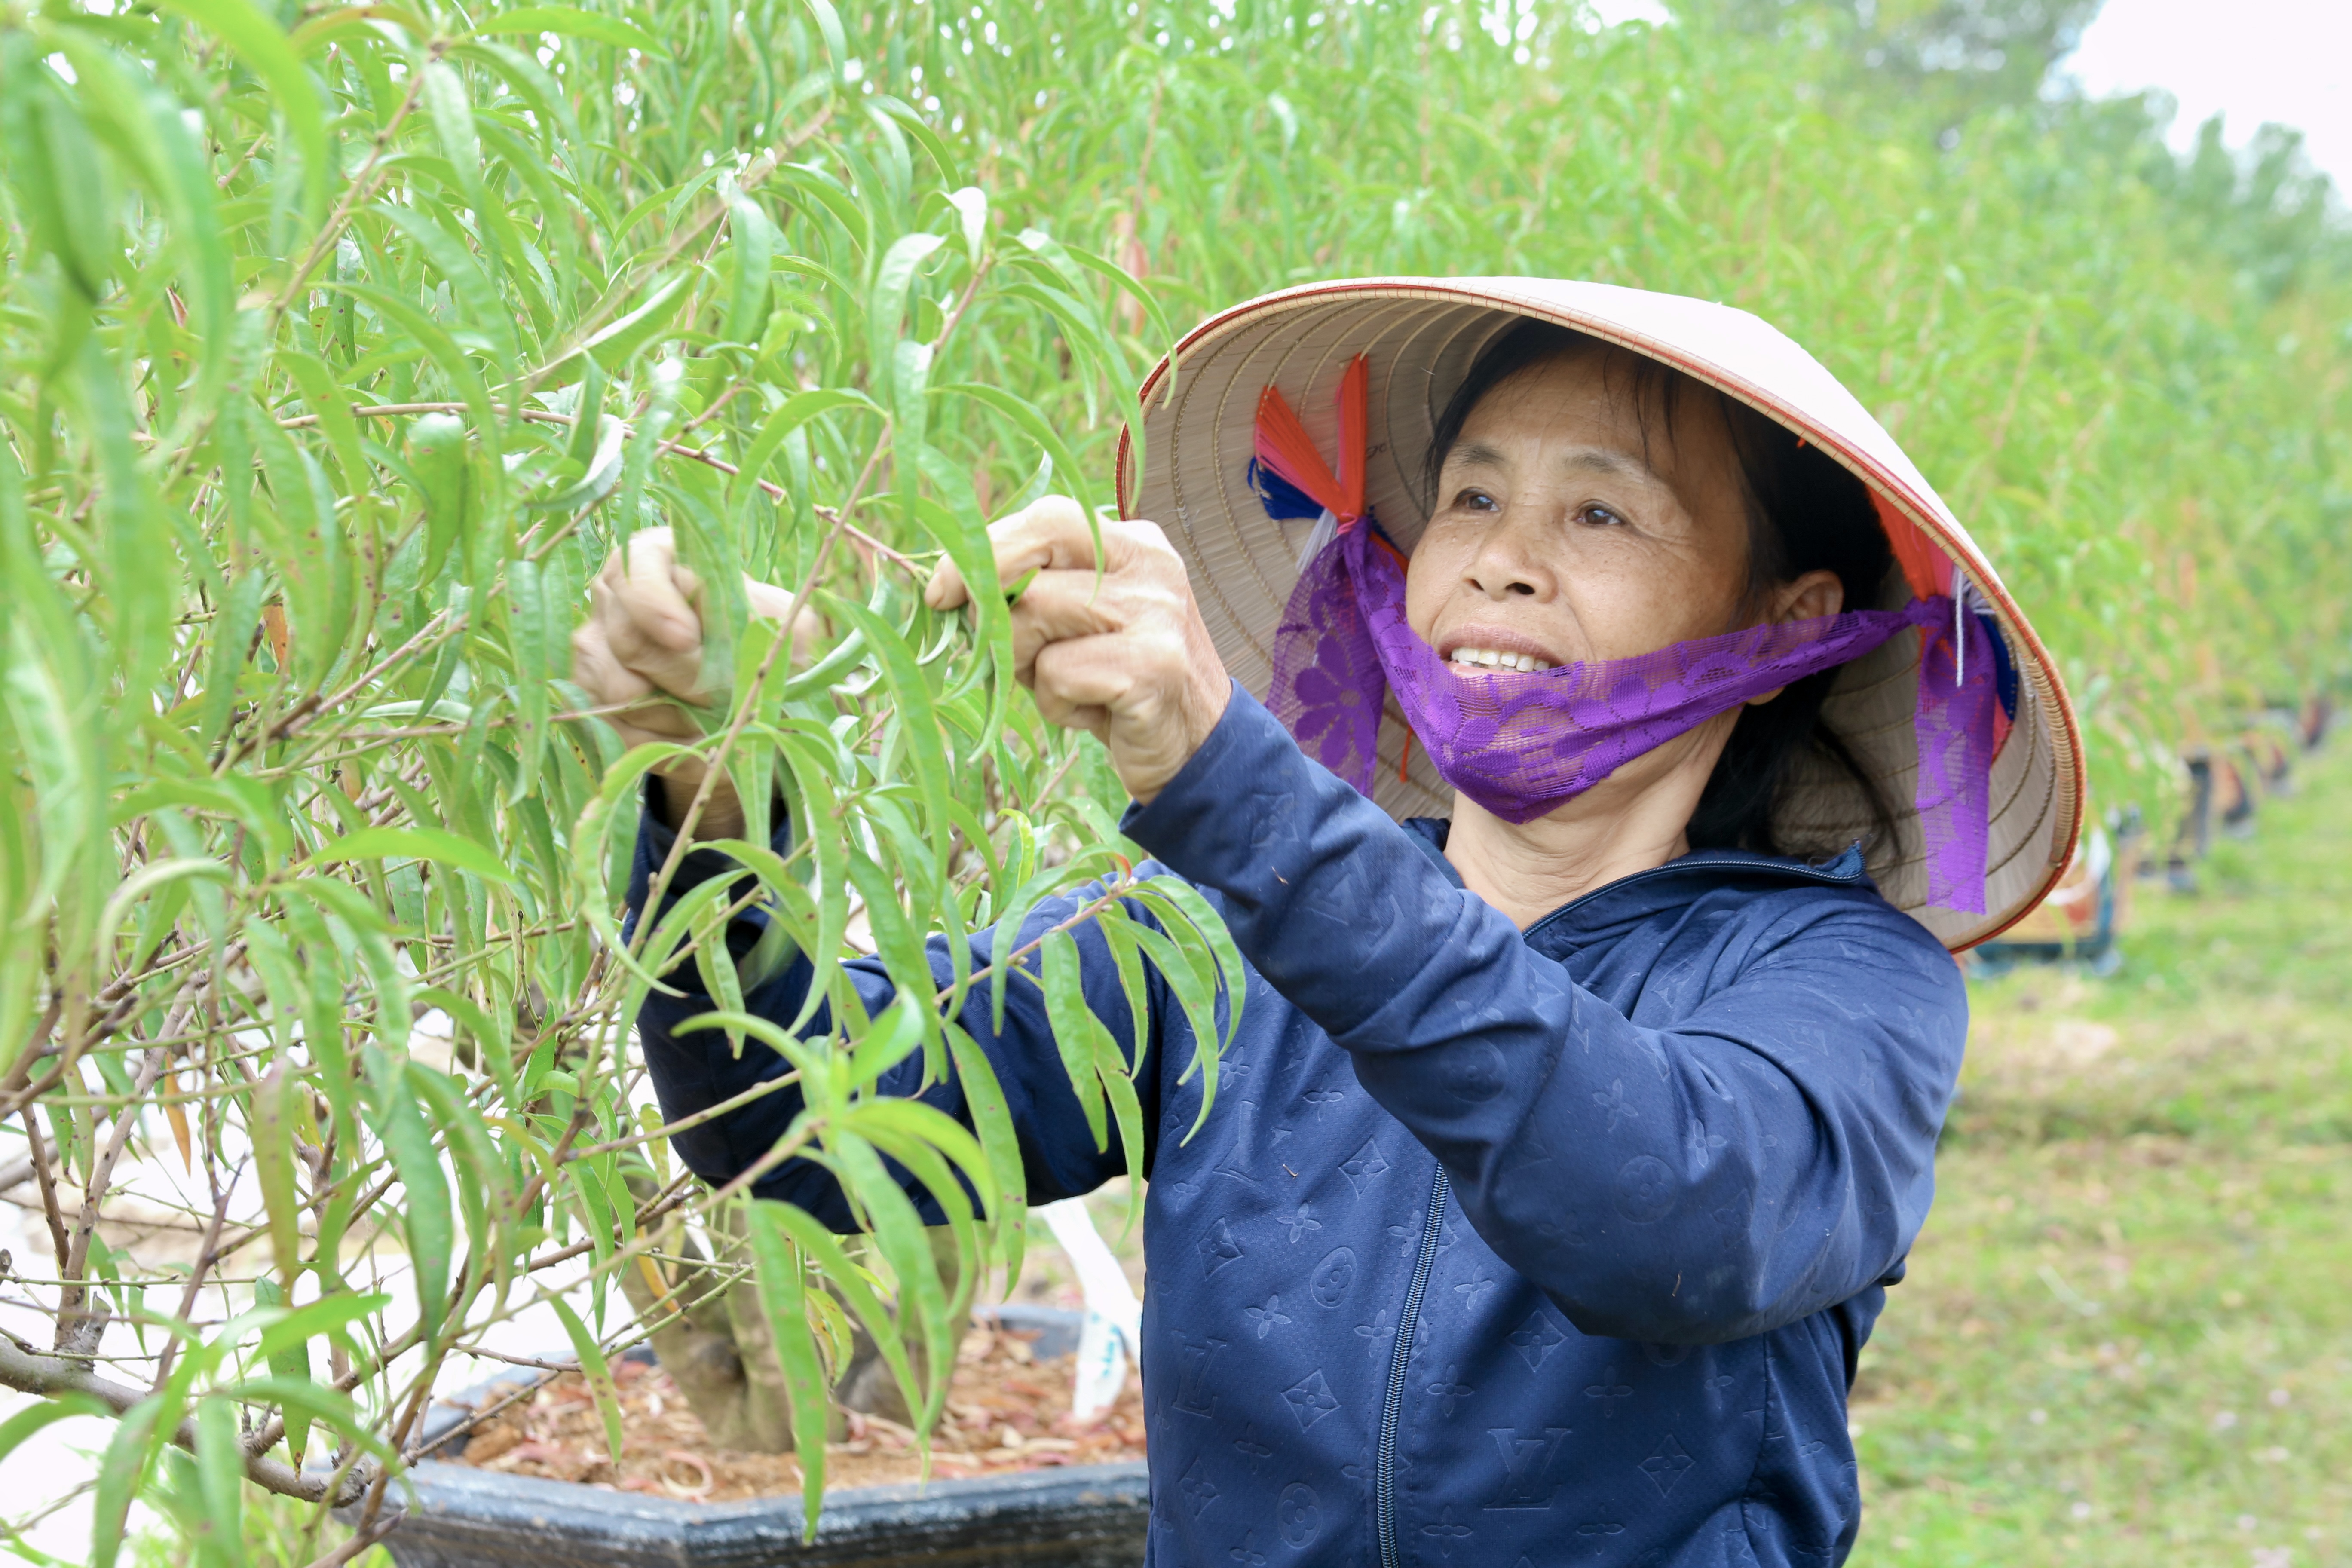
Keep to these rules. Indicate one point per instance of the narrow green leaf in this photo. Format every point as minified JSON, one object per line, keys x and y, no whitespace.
{"x":417,"y":844}
{"x":272,"y":1127}
{"x":1074,"y":1029}
{"x":596,"y":1369}
{"x":777,"y":1271}
{"x":572,"y":23}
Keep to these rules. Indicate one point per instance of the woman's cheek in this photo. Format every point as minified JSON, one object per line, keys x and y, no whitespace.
{"x":1427,"y":575}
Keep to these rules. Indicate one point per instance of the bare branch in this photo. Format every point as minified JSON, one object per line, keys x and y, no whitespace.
{"x":28,"y":1371}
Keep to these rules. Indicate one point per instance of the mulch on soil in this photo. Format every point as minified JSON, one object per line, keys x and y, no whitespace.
{"x":1008,"y":1409}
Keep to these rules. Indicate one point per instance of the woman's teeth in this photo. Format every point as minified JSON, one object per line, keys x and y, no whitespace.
{"x":1492,"y":658}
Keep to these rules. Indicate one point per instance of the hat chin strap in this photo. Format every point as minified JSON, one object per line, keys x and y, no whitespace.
{"x":1326,"y":530}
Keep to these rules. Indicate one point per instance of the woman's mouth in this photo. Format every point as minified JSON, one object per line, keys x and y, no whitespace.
{"x":1497,"y":658}
{"x":1482,"y":647}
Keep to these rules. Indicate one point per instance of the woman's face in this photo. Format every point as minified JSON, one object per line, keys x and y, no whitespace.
{"x":1558,"y":538}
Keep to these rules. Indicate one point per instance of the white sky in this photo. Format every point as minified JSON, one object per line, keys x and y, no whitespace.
{"x":2249,"y":61}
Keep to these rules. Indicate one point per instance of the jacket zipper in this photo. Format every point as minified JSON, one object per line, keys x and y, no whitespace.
{"x":1440,"y":1193}
{"x":1384,"y":1474}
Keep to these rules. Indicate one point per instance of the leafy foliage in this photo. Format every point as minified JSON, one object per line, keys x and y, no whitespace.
{"x":343,"y":342}
{"x":340,"y":353}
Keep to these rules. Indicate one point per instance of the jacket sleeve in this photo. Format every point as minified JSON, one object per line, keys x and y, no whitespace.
{"x":1767,"y":1155}
{"x":694,"y":1071}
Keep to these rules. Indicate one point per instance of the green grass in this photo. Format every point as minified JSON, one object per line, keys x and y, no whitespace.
{"x":2127,"y":1336}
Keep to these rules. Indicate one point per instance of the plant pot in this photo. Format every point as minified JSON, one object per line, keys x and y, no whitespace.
{"x":459,"y":1517}
{"x":456,"y":1516}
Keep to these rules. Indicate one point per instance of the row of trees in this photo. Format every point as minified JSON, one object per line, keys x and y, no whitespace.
{"x":343,"y":341}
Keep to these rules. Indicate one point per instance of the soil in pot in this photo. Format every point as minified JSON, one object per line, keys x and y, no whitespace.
{"x":1008,"y":1409}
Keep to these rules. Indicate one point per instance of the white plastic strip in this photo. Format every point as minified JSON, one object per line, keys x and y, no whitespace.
{"x":1113,"y":1328}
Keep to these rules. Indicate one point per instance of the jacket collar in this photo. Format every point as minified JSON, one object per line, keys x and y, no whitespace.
{"x":1659,"y":889}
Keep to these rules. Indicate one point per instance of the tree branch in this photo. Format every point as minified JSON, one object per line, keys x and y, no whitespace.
{"x":28,"y":1371}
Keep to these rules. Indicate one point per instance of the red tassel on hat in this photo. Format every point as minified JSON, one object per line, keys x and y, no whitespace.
{"x":1284,"y":446}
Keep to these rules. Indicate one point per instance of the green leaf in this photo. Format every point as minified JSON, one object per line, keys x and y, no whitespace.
{"x":887,"y":307}
{"x":220,"y":1479}
{"x":828,"y":22}
{"x":777,"y":1270}
{"x":919,"y":722}
{"x":1076,"y":1030}
{"x":432,"y":1233}
{"x":794,"y":412}
{"x":444,"y":92}
{"x":120,"y":1472}
{"x":533,"y":620}
{"x":1032,"y":423}
{"x":263,"y":49}
{"x":614,"y":346}
{"x":27,"y":1423}
{"x":146,"y":879}
{"x":754,"y":245}
{"x":289,"y":1363}
{"x":572,"y":23}
{"x":991,"y":1118}
{"x":596,"y":1369}
{"x":414,"y":844}
{"x":272,"y":1127}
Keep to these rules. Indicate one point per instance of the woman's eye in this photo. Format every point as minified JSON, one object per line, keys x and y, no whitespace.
{"x":1477,"y":500}
{"x":1598,"y":516}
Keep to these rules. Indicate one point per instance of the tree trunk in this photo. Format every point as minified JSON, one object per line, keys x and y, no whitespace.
{"x":718,"y":1349}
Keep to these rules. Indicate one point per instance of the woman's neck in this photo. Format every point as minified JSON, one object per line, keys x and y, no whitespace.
{"x":1632,"y":821}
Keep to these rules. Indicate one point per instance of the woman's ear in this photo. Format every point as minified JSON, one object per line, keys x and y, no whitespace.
{"x":1808,"y":598}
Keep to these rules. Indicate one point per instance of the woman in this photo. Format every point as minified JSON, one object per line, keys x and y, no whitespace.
{"x":1569,"y":1144}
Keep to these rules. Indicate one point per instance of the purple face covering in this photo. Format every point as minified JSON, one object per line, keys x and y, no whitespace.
{"x":1520,"y":742}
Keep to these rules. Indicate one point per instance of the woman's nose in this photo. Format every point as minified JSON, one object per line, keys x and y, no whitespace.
{"x":1507,"y":564}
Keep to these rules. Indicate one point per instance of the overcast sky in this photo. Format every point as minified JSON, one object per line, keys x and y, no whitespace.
{"x":2249,"y":61}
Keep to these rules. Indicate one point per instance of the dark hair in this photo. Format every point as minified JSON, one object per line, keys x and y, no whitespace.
{"x":1805,"y":513}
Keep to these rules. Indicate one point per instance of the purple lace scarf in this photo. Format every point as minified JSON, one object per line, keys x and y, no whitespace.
{"x":1520,"y":742}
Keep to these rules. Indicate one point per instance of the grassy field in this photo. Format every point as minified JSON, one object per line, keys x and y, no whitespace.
{"x":2127,"y":1337}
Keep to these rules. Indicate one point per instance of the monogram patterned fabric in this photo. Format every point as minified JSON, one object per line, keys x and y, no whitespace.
{"x":1496,"y":1247}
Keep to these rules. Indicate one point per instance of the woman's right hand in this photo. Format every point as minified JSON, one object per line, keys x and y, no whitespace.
{"x":642,"y":644}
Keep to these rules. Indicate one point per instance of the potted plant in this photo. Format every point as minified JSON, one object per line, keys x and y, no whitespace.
{"x":341,"y":351}
{"x":1069,"y":1516}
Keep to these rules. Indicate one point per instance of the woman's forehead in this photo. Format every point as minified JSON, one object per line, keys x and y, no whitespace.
{"x":1574,"y":454}
{"x":1599,"y":410}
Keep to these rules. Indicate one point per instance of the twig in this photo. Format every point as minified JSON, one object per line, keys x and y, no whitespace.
{"x":671,"y":1197}
{"x":28,"y":1371}
{"x":49,"y":1187}
{"x":207,"y":1255}
{"x":78,"y":1331}
{"x":709,"y":1113}
{"x":359,"y":1541}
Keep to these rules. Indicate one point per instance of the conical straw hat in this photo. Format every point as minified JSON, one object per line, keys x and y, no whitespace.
{"x":1420,"y":336}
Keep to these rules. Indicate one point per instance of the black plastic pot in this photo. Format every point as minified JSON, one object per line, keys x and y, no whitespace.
{"x":1077,"y":1516}
{"x":1080,"y":1517}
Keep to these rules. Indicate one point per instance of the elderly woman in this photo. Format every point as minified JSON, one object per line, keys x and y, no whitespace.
{"x":1572,"y":1137}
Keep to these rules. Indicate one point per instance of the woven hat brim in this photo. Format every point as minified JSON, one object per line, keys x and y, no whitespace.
{"x":1421,"y":336}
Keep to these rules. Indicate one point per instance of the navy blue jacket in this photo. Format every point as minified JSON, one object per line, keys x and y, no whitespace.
{"x":1497,"y":1247}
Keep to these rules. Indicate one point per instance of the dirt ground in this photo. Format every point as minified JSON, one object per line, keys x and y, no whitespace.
{"x":1007,"y":1410}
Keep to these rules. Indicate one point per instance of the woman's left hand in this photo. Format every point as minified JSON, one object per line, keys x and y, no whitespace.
{"x":1120,"y":651}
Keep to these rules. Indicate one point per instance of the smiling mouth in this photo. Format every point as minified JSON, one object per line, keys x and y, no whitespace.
{"x":1497,"y":658}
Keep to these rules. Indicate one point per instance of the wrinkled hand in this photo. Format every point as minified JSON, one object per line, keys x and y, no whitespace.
{"x":1121,"y":654}
{"x":643,"y":642}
